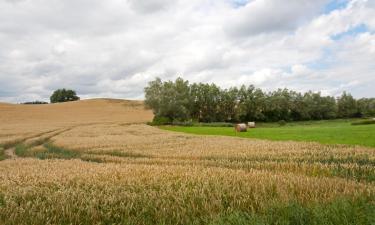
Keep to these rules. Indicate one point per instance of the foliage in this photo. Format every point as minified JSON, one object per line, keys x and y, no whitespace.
{"x":215,"y":124}
{"x":207,"y":103}
{"x":169,"y":99}
{"x":347,"y":106}
{"x":160,"y":120}
{"x":35,"y":103}
{"x":364,"y":122}
{"x":366,"y":107}
{"x":2,"y":153}
{"x":282,"y":122}
{"x":63,"y":95}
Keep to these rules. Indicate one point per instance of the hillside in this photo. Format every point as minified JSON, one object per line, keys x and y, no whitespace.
{"x":17,"y":121}
{"x":85,"y":111}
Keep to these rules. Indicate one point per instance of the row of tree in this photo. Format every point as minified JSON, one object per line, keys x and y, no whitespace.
{"x":182,"y":101}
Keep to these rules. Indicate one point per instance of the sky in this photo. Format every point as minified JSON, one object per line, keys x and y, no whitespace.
{"x":113,"y":48}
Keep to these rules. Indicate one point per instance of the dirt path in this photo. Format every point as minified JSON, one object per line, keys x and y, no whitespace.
{"x":10,"y":153}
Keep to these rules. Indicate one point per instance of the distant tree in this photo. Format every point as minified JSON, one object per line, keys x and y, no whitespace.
{"x":180,"y":101}
{"x":251,"y":103}
{"x":35,"y":103}
{"x":63,"y":95}
{"x":169,"y":99}
{"x":366,"y":106}
{"x":228,"y":105}
{"x":347,"y":106}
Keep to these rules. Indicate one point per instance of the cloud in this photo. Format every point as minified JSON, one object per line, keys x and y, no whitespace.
{"x":113,"y":48}
{"x":265,"y":16}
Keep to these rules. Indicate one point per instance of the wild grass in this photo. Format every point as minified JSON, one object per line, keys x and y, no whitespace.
{"x":2,"y":153}
{"x":364,"y":122}
{"x":341,"y":211}
{"x":48,"y":152}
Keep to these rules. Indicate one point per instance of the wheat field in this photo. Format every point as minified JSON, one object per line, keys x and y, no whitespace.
{"x":96,"y":162}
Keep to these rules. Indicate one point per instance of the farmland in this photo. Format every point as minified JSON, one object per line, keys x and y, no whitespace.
{"x":326,"y":132}
{"x":96,"y":162}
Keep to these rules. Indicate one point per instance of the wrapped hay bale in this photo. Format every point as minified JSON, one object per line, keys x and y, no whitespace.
{"x":241,"y":127}
{"x":251,"y":124}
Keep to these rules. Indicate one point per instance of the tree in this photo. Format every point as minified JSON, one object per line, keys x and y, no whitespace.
{"x":169,"y":99}
{"x":366,"y":106}
{"x":180,"y":101}
{"x":251,"y":103}
{"x":347,"y":106}
{"x":63,"y":95}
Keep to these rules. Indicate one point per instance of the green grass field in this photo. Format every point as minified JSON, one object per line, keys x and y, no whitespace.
{"x":326,"y":132}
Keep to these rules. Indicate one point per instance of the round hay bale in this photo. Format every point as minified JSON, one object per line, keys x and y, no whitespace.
{"x":241,"y":127}
{"x":251,"y":124}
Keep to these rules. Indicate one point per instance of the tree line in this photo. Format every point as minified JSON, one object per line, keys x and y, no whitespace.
{"x":181,"y":101}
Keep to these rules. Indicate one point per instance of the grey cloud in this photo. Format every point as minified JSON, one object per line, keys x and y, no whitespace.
{"x":150,"y":6}
{"x":264,"y":16}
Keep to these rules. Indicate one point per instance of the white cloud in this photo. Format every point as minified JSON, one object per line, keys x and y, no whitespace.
{"x":113,"y":48}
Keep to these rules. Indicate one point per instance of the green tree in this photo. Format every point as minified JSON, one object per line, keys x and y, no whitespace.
{"x":169,"y":99}
{"x":227,"y":105}
{"x":63,"y":95}
{"x":366,"y":107}
{"x":347,"y":106}
{"x":181,"y":101}
{"x":278,"y":105}
{"x":251,"y":103}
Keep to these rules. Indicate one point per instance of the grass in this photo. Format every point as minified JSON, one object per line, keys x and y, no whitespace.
{"x":50,"y":152}
{"x":364,"y":122}
{"x":2,"y":153}
{"x":326,"y":132}
{"x":341,"y":211}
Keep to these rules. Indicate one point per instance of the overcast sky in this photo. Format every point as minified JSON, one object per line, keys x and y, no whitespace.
{"x":112,"y":48}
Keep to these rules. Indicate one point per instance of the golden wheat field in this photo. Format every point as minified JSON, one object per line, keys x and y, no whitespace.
{"x":97,"y":162}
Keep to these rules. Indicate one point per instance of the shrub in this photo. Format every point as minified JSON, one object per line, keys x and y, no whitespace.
{"x":282,"y":122}
{"x":216,"y":124}
{"x":35,"y":103}
{"x":160,"y":120}
{"x":364,"y":122}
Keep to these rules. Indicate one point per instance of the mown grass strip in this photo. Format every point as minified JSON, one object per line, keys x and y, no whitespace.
{"x":325,"y":133}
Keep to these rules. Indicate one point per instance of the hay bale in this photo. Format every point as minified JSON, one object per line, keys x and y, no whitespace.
{"x":241,"y":127}
{"x":251,"y":124}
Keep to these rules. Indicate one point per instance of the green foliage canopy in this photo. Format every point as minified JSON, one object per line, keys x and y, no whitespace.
{"x":181,"y":101}
{"x":63,"y":95}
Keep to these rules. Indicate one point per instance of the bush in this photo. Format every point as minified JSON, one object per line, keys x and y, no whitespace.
{"x":35,"y":103}
{"x":364,"y":122}
{"x":217,"y":124}
{"x":183,"y":123}
{"x":282,"y":122}
{"x":160,"y":120}
{"x":63,"y":95}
